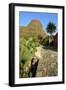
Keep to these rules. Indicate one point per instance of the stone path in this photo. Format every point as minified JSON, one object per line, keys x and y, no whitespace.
{"x":48,"y":62}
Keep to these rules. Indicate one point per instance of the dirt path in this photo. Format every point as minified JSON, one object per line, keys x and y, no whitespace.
{"x":48,"y":62}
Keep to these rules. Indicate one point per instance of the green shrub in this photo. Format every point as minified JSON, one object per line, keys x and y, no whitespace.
{"x":26,"y":52}
{"x":46,"y":41}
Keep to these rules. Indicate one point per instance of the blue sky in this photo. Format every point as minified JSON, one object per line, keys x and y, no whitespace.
{"x":26,"y":17}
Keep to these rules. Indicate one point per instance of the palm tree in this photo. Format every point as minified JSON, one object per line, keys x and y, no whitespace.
{"x":51,"y":28}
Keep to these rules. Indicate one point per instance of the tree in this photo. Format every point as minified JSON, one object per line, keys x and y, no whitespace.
{"x":51,"y":28}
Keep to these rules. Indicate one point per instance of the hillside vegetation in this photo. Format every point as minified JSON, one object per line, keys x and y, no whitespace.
{"x":31,"y":37}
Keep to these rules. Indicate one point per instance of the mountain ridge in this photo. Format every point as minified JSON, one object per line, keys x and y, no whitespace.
{"x":34,"y":27}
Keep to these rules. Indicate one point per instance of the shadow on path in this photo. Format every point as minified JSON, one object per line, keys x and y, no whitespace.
{"x":33,"y":68}
{"x":50,"y":48}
